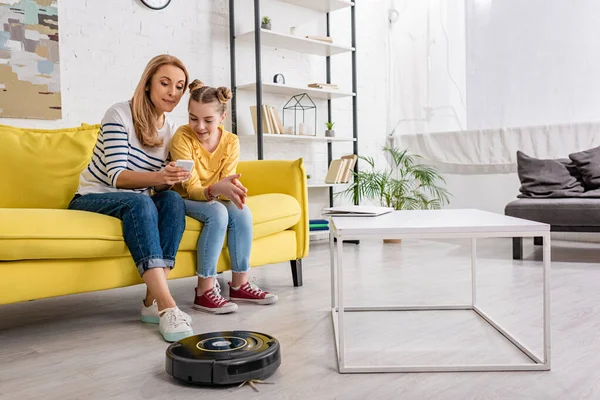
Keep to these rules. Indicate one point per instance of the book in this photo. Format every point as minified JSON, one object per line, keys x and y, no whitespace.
{"x":340,"y":170}
{"x":273,"y":119}
{"x":267,"y":117}
{"x":356,"y":211}
{"x":333,"y":171}
{"x":320,"y":38}
{"x":277,"y":120}
{"x":323,"y":86}
{"x":350,"y":167}
{"x":265,"y":124}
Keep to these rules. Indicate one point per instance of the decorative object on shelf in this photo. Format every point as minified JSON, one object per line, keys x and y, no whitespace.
{"x":292,"y":30}
{"x":326,"y":39}
{"x":271,"y":123}
{"x":329,"y":132}
{"x":266,"y":23}
{"x":301,"y":102}
{"x":329,"y":86}
{"x":340,"y":170}
{"x":404,"y":185}
{"x":156,"y":4}
{"x":279,"y":78}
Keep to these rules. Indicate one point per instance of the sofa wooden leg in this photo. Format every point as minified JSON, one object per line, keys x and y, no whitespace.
{"x":296,"y":272}
{"x":517,"y":248}
{"x":538,"y":241}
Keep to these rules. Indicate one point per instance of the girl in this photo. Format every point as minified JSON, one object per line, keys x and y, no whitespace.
{"x":215,"y":197}
{"x":129,"y":178}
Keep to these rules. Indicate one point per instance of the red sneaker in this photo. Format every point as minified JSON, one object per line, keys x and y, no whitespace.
{"x":211,"y":301}
{"x":251,"y":293}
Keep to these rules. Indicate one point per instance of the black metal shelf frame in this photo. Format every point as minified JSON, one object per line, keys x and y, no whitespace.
{"x":259,"y":87}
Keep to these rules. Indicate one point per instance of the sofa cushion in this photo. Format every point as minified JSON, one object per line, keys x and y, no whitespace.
{"x":588,"y":164}
{"x":271,"y":213}
{"x":557,"y":212}
{"x":544,"y":178}
{"x":48,"y":233}
{"x":40,"y":168}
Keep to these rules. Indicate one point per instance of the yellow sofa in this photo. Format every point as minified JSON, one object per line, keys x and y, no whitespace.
{"x":47,"y":250}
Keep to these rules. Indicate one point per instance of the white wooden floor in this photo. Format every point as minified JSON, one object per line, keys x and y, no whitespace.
{"x":92,"y":346}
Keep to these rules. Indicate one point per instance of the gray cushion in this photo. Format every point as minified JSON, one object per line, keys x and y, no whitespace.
{"x":557,"y":212}
{"x":547,"y":178}
{"x":588,"y":164}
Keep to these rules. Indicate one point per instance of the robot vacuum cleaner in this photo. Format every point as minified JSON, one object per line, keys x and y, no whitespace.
{"x":223,"y":358}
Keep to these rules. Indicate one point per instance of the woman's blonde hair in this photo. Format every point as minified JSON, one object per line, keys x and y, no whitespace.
{"x":142,"y":109}
{"x":207,"y":94}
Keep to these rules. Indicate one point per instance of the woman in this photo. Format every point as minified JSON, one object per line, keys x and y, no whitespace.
{"x":215,"y":197}
{"x":129,"y":178}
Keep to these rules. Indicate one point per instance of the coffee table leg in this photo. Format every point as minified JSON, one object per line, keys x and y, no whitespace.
{"x":340,"y":292}
{"x":547,"y":257}
{"x":332,"y":266}
{"x":473,"y":272}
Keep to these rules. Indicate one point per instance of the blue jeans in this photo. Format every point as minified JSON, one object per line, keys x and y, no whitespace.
{"x":152,"y":226}
{"x":218,"y":217}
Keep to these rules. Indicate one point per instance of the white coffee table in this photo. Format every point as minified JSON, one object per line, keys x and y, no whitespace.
{"x":429,"y":224}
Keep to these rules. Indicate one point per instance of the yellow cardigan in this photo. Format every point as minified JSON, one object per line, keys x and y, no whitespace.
{"x":209,"y":168}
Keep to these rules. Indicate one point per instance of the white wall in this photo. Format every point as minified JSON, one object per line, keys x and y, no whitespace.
{"x":532,"y":62}
{"x":426,"y":66}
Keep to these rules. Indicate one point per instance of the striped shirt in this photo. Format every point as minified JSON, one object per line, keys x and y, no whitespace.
{"x":118,"y":149}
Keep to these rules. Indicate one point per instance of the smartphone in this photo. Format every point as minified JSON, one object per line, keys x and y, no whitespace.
{"x":187,"y":165}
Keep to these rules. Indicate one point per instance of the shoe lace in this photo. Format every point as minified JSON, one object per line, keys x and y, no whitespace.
{"x":176,"y":318}
{"x":215,"y":295}
{"x":253,"y":288}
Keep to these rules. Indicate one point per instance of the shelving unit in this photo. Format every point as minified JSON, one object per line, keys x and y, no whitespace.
{"x":267,"y":38}
{"x":295,"y":43}
{"x":290,"y":90}
{"x":296,"y":138}
{"x":325,"y":6}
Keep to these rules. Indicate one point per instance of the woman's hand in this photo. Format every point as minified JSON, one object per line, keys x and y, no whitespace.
{"x":172,"y":174}
{"x":231,"y":188}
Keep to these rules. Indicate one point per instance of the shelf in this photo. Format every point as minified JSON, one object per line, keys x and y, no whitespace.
{"x":317,"y":233}
{"x":326,"y":185}
{"x":321,"y":5}
{"x":295,"y":43}
{"x":290,"y":90}
{"x":299,"y":138}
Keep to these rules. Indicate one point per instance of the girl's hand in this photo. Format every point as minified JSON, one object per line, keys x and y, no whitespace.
{"x":228,"y":187}
{"x":172,"y":174}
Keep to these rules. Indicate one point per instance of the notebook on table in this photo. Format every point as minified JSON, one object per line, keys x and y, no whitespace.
{"x":356,"y":211}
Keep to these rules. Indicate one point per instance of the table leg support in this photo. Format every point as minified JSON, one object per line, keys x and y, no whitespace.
{"x":473,"y":272}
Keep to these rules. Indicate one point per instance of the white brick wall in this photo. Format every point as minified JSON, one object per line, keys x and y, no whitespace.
{"x":105,"y":44}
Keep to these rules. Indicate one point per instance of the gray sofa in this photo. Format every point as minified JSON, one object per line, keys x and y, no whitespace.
{"x":563,"y":215}
{"x":564,"y":193}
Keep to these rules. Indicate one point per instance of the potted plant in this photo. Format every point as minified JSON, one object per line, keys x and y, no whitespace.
{"x":266,"y":23}
{"x":329,"y":132}
{"x":404,"y":185}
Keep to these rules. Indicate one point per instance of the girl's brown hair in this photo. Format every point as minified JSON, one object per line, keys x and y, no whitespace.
{"x":142,"y":109}
{"x":206,"y":94}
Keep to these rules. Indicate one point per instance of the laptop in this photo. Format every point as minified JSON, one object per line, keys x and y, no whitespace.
{"x":356,"y":211}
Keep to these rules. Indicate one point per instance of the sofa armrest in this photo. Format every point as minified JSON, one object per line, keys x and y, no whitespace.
{"x":280,"y":176}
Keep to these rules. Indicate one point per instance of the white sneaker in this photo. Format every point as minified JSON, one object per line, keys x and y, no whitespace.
{"x":174,"y":325}
{"x":150,"y":314}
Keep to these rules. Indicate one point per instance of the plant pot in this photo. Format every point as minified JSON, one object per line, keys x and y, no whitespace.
{"x":266,"y":26}
{"x":330,"y":133}
{"x":392,"y":241}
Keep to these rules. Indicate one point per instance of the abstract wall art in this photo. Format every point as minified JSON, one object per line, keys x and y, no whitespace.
{"x":29,"y":59}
